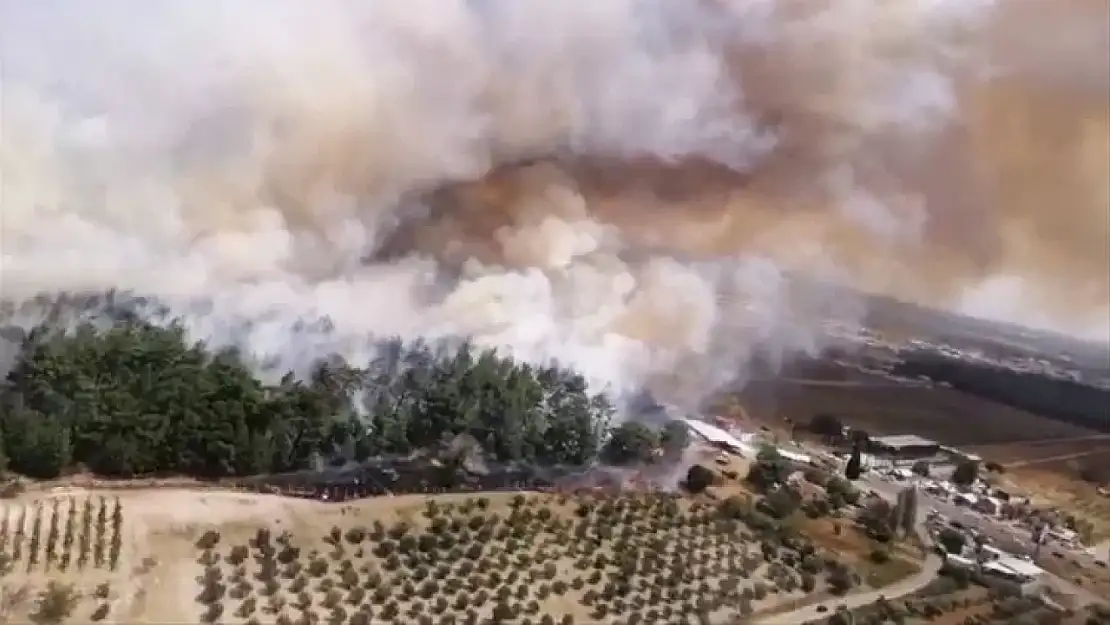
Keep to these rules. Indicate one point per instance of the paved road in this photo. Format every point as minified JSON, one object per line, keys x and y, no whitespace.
{"x":1015,"y":540}
{"x":929,"y":570}
{"x":1005,"y":536}
{"x":900,"y":588}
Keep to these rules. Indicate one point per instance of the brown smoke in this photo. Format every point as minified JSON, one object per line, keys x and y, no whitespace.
{"x":622,"y":185}
{"x":1018,"y":186}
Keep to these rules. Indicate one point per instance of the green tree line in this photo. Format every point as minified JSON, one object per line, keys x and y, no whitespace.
{"x":1061,"y":399}
{"x":137,"y":398}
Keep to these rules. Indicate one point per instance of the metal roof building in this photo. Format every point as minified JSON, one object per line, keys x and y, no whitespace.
{"x":960,"y":561}
{"x":901,"y":441}
{"x":904,"y":447}
{"x":1014,"y":568}
{"x":795,"y":456}
{"x":717,"y":436}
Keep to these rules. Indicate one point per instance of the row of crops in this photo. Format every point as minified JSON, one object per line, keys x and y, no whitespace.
{"x":61,"y":534}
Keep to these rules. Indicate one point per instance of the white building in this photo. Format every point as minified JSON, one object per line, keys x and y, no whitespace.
{"x":871,"y":461}
{"x":990,"y":553}
{"x":1014,"y":569}
{"x":966,"y":499}
{"x":1063,"y":535}
{"x":989,"y":505}
{"x":960,"y":562}
{"x":745,"y":444}
{"x":796,"y":457}
{"x":718,"y":437}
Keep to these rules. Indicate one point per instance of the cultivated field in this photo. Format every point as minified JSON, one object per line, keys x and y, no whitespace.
{"x":1061,"y":463}
{"x":943,"y":414}
{"x":59,"y":550}
{"x":210,"y":556}
{"x":1067,"y":454}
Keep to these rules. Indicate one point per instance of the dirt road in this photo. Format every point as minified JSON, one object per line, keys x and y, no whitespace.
{"x":901,"y":588}
{"x":1017,"y":464}
{"x":929,"y":570}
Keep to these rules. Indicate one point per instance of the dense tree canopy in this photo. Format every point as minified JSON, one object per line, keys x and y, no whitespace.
{"x":137,"y":398}
{"x":634,"y":442}
{"x":769,"y":469}
{"x":967,"y":471}
{"x":826,"y":425}
{"x":1054,"y":396}
{"x":674,"y":438}
{"x":699,"y":478}
{"x":631,"y":442}
{"x":854,"y":468}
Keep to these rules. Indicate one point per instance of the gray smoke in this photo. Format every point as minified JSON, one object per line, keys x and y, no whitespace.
{"x":241,"y":160}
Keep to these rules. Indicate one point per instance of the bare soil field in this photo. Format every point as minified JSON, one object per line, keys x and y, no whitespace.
{"x":880,"y":407}
{"x":837,"y":536}
{"x":179,"y":555}
{"x":1091,"y":577}
{"x":1055,"y":487}
{"x":1090,"y":469}
{"x":1066,"y":454}
{"x":971,"y":603}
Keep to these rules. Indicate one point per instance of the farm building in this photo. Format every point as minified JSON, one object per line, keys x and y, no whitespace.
{"x":796,"y":457}
{"x":989,"y":505}
{"x":1025,"y":574}
{"x":718,"y":437}
{"x":960,"y":562}
{"x":904,"y":447}
{"x":965,"y":499}
{"x":958,"y":454}
{"x":990,"y":553}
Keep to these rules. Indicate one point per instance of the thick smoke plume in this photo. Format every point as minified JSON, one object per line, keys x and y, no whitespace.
{"x":625,"y":185}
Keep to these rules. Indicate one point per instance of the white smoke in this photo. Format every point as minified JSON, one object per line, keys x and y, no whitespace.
{"x":240,"y":159}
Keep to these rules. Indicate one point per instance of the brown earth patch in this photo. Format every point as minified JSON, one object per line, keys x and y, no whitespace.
{"x":853,"y":548}
{"x":1044,"y":452}
{"x":211,"y":556}
{"x":945,"y":415}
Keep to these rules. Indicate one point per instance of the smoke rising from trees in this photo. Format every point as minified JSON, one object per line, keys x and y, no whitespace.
{"x":626,"y":186}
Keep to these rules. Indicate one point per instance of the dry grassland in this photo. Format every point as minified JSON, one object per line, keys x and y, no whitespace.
{"x":1054,"y":489}
{"x":210,"y":556}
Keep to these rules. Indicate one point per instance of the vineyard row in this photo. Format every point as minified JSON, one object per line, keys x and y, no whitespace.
{"x":58,"y":534}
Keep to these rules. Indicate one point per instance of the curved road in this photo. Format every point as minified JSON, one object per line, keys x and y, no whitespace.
{"x":928,"y":573}
{"x":929,"y":570}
